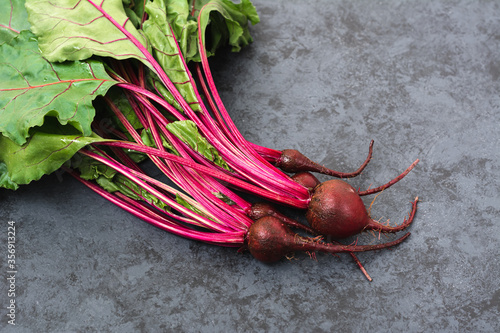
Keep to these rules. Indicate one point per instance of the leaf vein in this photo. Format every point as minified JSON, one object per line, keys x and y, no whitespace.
{"x":53,"y":152}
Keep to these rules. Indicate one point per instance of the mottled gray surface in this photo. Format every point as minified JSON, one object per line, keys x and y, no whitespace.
{"x":420,"y":78}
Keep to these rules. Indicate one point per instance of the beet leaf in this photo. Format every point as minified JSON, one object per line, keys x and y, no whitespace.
{"x":77,"y":30}
{"x":226,"y":18}
{"x":48,"y":148}
{"x":166,"y":51}
{"x":32,"y":88}
{"x":187,"y":131}
{"x":13,"y":19}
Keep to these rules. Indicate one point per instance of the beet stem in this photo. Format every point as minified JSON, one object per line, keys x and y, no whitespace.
{"x":389,"y":184}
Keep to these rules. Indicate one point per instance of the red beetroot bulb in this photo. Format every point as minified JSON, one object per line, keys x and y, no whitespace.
{"x":306,"y":179}
{"x":336,"y":210}
{"x":270,"y":239}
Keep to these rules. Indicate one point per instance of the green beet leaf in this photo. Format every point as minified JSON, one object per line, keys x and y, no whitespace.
{"x":79,"y":29}
{"x":135,"y":11}
{"x":169,"y":18}
{"x":148,"y":140}
{"x":229,"y":24}
{"x":89,"y":168}
{"x":186,"y":204}
{"x":31,"y":88}
{"x":156,"y":83}
{"x":166,"y":52}
{"x":48,"y":148}
{"x":180,"y":16}
{"x":13,"y":19}
{"x":108,"y":118}
{"x":5,"y":180}
{"x":120,"y":183}
{"x":112,"y":181}
{"x":226,"y":23}
{"x":187,"y":131}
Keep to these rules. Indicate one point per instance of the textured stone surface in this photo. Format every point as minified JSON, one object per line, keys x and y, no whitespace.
{"x":420,"y":78}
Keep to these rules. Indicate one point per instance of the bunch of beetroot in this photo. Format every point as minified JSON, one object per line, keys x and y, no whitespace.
{"x":184,"y":128}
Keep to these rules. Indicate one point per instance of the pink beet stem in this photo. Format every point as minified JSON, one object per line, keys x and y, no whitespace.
{"x":229,"y":238}
{"x":298,"y":203}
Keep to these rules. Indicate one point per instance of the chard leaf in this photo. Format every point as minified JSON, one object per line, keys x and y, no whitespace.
{"x":166,"y":52}
{"x":49,"y":147}
{"x":78,"y":29}
{"x":31,"y":88}
{"x":13,"y":19}
{"x":187,"y":131}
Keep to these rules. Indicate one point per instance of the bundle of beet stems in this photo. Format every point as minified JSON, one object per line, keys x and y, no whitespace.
{"x":175,"y":117}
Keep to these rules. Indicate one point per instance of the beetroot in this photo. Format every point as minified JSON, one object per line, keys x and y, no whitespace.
{"x":263,"y":209}
{"x":269,"y":240}
{"x":337,"y":210}
{"x":306,"y":179}
{"x":292,"y":161}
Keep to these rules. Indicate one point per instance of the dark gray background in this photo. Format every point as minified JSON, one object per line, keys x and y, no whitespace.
{"x":420,"y":78}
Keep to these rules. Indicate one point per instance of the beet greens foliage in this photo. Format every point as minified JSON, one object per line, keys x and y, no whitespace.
{"x":59,"y":72}
{"x":93,"y":87}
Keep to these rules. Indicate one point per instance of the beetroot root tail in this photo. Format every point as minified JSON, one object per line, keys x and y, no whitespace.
{"x":269,"y":240}
{"x":307,"y":245}
{"x":361,"y":267}
{"x":389,"y":184}
{"x":358,"y":262}
{"x":293,"y":161}
{"x":376,"y":226}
